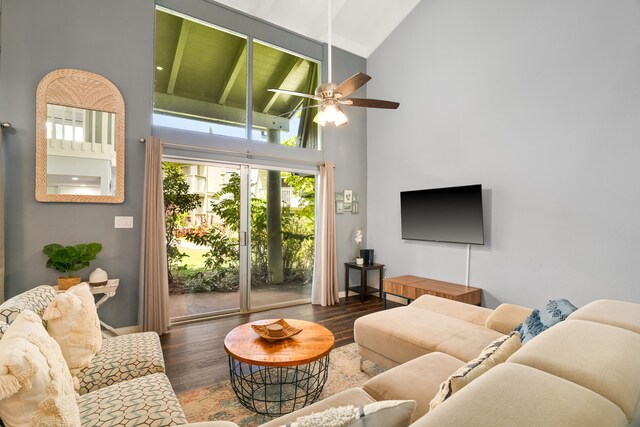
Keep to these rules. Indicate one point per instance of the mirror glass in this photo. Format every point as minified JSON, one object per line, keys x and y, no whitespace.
{"x":79,"y":138}
{"x":81,"y":151}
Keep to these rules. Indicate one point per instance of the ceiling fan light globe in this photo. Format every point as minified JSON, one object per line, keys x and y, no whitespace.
{"x":320,"y":118}
{"x":341,"y":117}
{"x":330,"y":113}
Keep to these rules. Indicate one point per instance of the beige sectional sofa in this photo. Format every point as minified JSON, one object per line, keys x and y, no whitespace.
{"x":584,"y":371}
{"x":429,"y":324}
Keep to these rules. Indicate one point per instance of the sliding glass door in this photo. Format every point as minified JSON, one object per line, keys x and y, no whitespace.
{"x":282,"y":236}
{"x":203,"y":252}
{"x":239,"y":238}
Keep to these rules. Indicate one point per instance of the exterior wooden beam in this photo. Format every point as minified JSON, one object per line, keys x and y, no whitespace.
{"x":284,"y":78}
{"x":241,"y":57}
{"x":177,"y":58}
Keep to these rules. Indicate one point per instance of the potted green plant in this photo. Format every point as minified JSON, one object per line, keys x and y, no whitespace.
{"x":69,"y":259}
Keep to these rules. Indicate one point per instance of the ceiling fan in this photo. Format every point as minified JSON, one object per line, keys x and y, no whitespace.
{"x":331,"y":96}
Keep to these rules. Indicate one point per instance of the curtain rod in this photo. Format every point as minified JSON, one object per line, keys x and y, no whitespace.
{"x":246,"y":154}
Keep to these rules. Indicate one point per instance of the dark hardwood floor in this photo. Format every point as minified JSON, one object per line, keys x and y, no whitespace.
{"x":194,"y":353}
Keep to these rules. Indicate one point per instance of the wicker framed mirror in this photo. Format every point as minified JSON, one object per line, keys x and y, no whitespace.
{"x":79,"y":138}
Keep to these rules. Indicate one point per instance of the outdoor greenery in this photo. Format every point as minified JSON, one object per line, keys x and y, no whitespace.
{"x":219,"y":238}
{"x":178,"y":203}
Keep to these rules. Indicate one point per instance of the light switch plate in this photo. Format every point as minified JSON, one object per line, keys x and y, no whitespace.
{"x":124,"y":222}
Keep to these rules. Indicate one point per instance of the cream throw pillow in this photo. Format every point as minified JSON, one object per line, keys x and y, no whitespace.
{"x":387,"y":413}
{"x":495,"y":353}
{"x":72,"y":320}
{"x":36,"y":388}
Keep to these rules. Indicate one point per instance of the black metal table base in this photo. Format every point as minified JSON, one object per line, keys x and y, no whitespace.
{"x":278,"y":390}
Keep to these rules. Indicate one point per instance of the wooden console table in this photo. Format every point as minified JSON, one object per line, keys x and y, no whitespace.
{"x":411,"y":287}
{"x":363,"y":289}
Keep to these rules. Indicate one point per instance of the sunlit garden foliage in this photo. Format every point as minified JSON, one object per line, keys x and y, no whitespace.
{"x":219,"y":269}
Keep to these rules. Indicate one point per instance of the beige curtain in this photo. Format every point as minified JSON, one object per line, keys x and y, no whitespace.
{"x":325,"y":274}
{"x":1,"y":223}
{"x":154,"y":251}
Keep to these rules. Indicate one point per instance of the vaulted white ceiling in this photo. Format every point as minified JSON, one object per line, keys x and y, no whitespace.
{"x":358,"y":26}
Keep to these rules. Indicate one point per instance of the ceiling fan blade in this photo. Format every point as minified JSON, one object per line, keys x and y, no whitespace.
{"x":352,"y":84}
{"x":290,"y":92}
{"x":371,"y":103}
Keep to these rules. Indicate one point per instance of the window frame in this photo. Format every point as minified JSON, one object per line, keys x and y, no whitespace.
{"x":226,"y":19}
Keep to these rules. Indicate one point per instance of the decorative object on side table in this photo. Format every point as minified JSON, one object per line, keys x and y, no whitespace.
{"x":358,"y":239}
{"x":69,"y":259}
{"x":98,"y":277}
{"x":367,"y":256}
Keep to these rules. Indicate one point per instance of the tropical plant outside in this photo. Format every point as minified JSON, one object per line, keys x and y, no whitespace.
{"x":203,"y":255}
{"x":178,"y":203}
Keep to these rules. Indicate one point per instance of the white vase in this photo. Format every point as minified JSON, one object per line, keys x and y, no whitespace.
{"x":98,"y":277}
{"x":359,"y":261}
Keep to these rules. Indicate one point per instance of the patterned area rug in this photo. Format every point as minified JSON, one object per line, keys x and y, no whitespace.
{"x":218,"y":402}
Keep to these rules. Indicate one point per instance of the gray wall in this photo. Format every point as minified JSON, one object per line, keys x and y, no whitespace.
{"x":347,"y":147}
{"x":114,"y":39}
{"x":540,"y":103}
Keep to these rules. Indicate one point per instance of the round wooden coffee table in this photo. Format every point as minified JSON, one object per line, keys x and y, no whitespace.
{"x":277,"y":377}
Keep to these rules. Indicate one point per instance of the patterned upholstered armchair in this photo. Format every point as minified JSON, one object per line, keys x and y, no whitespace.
{"x":125,"y":383}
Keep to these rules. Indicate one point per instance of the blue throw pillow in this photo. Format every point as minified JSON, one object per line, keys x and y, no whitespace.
{"x":540,"y":320}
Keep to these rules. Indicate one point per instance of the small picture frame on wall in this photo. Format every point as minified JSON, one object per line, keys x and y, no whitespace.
{"x":348,"y":196}
{"x":346,"y":207}
{"x":339,"y":207}
{"x":355,"y":207}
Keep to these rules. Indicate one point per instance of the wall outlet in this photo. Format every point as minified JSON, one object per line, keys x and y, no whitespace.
{"x":124,"y":222}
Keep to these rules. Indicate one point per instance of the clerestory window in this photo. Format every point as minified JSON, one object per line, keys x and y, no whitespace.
{"x":204,"y":74}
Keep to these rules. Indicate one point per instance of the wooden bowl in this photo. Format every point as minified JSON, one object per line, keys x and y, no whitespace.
{"x":278,"y":330}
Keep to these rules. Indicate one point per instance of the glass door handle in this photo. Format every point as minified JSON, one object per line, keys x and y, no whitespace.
{"x":243,"y":238}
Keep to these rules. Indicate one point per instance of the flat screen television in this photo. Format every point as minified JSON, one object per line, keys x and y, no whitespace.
{"x":452,"y":214}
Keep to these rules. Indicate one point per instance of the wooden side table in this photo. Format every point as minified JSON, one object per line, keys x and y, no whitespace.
{"x":363,"y":289}
{"x":411,"y":287}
